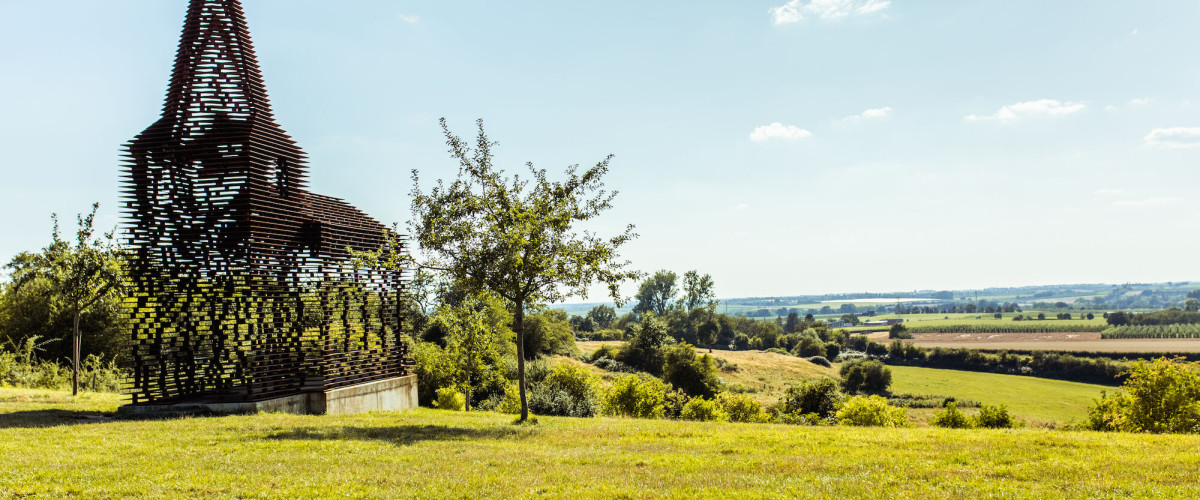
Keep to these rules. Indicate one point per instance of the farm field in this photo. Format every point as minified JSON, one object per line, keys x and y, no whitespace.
{"x":1038,"y":400}
{"x":1066,"y":342}
{"x":435,"y":454}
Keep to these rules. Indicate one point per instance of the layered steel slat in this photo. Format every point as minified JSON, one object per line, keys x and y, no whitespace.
{"x":243,"y":287}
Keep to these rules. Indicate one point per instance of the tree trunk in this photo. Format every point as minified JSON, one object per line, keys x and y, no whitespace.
{"x":75,"y":358}
{"x":519,"y":326}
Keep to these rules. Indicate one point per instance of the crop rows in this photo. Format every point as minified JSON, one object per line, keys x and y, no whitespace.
{"x":1152,"y":332}
{"x":1008,"y":328}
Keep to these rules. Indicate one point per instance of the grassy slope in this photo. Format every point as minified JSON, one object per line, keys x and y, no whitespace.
{"x":433,"y":454}
{"x":763,"y":375}
{"x":1037,"y":399}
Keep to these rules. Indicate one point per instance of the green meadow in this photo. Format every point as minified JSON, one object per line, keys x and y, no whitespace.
{"x":436,"y":454}
{"x":1038,"y":400}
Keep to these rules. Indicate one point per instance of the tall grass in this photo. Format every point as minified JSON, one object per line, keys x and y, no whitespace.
{"x":20,"y":367}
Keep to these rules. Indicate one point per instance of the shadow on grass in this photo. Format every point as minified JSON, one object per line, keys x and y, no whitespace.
{"x":405,"y":435}
{"x":50,"y":418}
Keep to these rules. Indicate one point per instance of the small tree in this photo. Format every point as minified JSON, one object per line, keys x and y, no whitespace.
{"x":708,"y":332}
{"x":517,"y":238}
{"x":80,"y":274}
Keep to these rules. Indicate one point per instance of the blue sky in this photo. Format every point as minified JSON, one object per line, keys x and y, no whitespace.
{"x":784,"y":148}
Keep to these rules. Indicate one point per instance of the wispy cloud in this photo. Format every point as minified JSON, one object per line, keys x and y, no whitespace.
{"x":1109,"y":192}
{"x":779,"y":131}
{"x":1141,"y":101}
{"x":870,"y":114}
{"x":1043,"y":107}
{"x":1149,"y":202}
{"x":797,"y":10}
{"x":409,"y":18}
{"x":1174,"y":137}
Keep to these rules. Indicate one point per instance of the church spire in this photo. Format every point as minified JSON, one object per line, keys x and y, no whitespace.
{"x":216,"y":73}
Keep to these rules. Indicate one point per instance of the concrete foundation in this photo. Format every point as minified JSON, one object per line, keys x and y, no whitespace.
{"x":394,"y":394}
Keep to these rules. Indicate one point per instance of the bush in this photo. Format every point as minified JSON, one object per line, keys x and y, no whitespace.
{"x":567,"y":391}
{"x":832,"y":350}
{"x":809,"y":347}
{"x":871,"y":411}
{"x":694,"y":376}
{"x":870,"y":377}
{"x":819,"y":396}
{"x":613,"y":365}
{"x":703,"y":410}
{"x":994,"y":417}
{"x":549,"y":334}
{"x":638,"y":396}
{"x":820,"y":360}
{"x":645,"y":350}
{"x":899,"y":331}
{"x":951,"y":418}
{"x":19,"y":367}
{"x":741,"y":408}
{"x":449,"y":399}
{"x":605,"y":351}
{"x":1160,"y":396}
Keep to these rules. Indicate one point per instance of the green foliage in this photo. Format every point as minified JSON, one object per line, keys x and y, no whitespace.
{"x":605,"y":351}
{"x":602,"y":316}
{"x":645,"y":350}
{"x":476,"y":340}
{"x":1175,"y":331}
{"x":567,"y":391}
{"x":742,"y":408}
{"x":899,"y":331}
{"x":548,"y":334}
{"x":994,"y":417}
{"x":517,"y":238}
{"x":637,"y":396}
{"x":1160,"y":396}
{"x":695,"y":376}
{"x":951,"y":417}
{"x":819,"y":361}
{"x":699,"y":292}
{"x":815,"y":396}
{"x":20,"y":367}
{"x":449,"y":399}
{"x":865,"y":376}
{"x":704,"y":410}
{"x":871,"y":411}
{"x":71,"y":289}
{"x":656,"y":294}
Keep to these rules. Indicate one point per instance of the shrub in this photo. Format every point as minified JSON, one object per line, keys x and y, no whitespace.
{"x":19,"y":367}
{"x":605,"y":351}
{"x":449,"y":399}
{"x":899,"y":331}
{"x":638,"y":396}
{"x":694,"y":376}
{"x":870,"y":377}
{"x":809,"y":347}
{"x":819,"y":396}
{"x":741,"y":408}
{"x":951,"y":417}
{"x":832,"y":350}
{"x":1160,"y":396}
{"x":704,"y":410}
{"x":548,"y":333}
{"x":567,"y":391}
{"x":871,"y":411}
{"x":994,"y":417}
{"x":613,"y":365}
{"x":820,"y":360}
{"x":645,"y":350}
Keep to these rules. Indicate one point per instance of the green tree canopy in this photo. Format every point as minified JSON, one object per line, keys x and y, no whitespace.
{"x":518,"y":238}
{"x":657,"y":293}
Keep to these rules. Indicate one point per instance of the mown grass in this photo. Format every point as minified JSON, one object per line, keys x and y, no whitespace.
{"x":435,"y":454}
{"x":1038,"y":400}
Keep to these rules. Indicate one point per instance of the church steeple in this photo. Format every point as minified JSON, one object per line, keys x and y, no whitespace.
{"x":216,"y":73}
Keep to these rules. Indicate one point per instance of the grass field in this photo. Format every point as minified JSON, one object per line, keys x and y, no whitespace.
{"x":1039,"y":400}
{"x":434,"y":454}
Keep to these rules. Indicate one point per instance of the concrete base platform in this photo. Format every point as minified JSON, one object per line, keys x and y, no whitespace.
{"x":394,"y":394}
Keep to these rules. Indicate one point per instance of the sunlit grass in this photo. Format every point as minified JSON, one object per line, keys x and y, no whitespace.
{"x":434,"y":454}
{"x":1036,"y":399}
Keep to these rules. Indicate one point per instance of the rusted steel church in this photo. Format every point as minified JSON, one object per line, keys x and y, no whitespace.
{"x":244,"y":286}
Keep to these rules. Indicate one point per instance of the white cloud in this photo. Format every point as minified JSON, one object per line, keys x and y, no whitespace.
{"x":1174,"y":137}
{"x":870,"y":114}
{"x":1108,"y":192}
{"x":409,"y":18}
{"x":1015,"y":112}
{"x":796,"y":10}
{"x":743,"y":206}
{"x":1141,"y":100}
{"x":779,"y":131}
{"x":1150,"y":202}
{"x":1135,"y":32}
